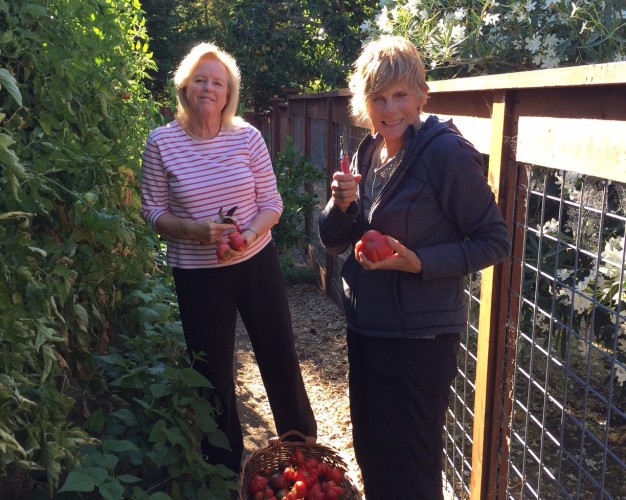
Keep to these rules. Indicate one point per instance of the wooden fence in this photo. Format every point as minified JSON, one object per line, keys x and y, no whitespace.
{"x":539,"y":403}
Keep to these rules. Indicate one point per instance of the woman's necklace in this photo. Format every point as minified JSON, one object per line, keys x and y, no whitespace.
{"x":198,"y":138}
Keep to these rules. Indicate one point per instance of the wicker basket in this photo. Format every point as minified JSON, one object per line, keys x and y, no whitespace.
{"x":280,"y":449}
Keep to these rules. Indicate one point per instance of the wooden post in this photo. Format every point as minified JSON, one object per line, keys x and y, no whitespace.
{"x":492,"y":319}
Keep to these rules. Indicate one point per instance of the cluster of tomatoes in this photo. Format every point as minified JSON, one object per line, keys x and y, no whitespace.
{"x":298,"y":478}
{"x":229,"y":242}
{"x":232,"y":240}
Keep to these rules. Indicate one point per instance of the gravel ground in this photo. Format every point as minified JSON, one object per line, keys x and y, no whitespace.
{"x":319,"y":329}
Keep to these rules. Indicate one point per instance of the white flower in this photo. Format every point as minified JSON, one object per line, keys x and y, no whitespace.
{"x":533,"y":44}
{"x":551,"y":40}
{"x":542,"y":324}
{"x":583,"y":27}
{"x":620,"y":375}
{"x":383,"y":22}
{"x":412,"y":7}
{"x":621,"y":345}
{"x":460,"y":13}
{"x":549,"y":227}
{"x":564,"y":274}
{"x":491,"y":19}
{"x":458,"y":33}
{"x":530,"y":6}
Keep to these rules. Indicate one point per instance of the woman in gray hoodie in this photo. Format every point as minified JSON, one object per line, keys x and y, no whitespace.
{"x":422,"y":185}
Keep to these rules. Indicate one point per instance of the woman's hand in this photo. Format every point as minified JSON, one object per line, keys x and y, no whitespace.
{"x":344,"y":189}
{"x":206,"y":231}
{"x":402,"y":260}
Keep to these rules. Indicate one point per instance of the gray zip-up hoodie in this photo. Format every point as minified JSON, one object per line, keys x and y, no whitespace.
{"x":439,"y":205}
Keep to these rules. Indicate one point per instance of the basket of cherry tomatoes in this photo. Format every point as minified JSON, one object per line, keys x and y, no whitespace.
{"x":287,"y":469}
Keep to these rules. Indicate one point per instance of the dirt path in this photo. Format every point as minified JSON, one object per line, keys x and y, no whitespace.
{"x":319,"y":328}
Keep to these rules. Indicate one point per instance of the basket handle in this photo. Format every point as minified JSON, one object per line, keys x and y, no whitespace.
{"x":307,"y":440}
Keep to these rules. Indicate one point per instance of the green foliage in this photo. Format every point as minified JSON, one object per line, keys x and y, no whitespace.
{"x":74,"y":251}
{"x":294,"y":175}
{"x":308,"y":44}
{"x":471,"y":37}
{"x":151,"y":411}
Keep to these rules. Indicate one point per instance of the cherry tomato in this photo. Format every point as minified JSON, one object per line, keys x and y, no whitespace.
{"x":300,"y":488}
{"x":257,"y":483}
{"x":297,"y":458}
{"x":335,"y":474}
{"x":278,"y":481}
{"x":290,"y":474}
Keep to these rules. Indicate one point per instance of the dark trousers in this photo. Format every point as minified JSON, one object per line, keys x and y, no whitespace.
{"x":209,"y":300}
{"x":399,"y":391}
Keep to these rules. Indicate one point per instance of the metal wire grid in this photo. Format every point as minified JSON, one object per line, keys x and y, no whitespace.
{"x":460,"y":415}
{"x":568,"y":426}
{"x":318,"y":154}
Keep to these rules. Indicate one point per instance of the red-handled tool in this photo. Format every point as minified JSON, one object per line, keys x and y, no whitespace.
{"x":344,"y":159}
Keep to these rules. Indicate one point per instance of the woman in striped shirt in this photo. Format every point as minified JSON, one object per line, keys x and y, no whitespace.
{"x":204,"y":162}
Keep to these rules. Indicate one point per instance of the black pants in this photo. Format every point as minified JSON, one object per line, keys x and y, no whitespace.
{"x":399,"y":391}
{"x":209,"y":300}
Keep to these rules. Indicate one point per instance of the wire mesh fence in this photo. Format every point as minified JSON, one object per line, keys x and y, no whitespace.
{"x":568,"y":423}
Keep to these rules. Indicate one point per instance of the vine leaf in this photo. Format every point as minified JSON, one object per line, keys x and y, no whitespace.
{"x":8,"y":81}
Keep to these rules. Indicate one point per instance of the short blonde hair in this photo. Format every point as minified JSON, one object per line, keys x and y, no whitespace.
{"x":383,"y":62}
{"x":185,"y":70}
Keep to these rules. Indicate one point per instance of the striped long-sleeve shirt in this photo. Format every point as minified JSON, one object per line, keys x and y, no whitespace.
{"x":193,"y":179}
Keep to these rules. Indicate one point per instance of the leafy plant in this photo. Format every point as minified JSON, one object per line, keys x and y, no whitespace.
{"x":73,"y":118}
{"x":151,"y":411}
{"x":461,"y":38}
{"x":294,"y":175}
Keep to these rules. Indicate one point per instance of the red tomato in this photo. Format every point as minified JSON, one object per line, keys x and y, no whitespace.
{"x":223,"y":251}
{"x":278,"y":481}
{"x":374,"y":246}
{"x":305,"y":476}
{"x":297,"y":458}
{"x":290,"y":474}
{"x":322,"y":468}
{"x":311,"y":463}
{"x":237,"y":241}
{"x":335,"y":474}
{"x":299,"y":488}
{"x":259,"y":495}
{"x":257,"y":483}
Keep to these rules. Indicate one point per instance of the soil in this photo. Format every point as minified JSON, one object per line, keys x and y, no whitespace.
{"x":319,"y":329}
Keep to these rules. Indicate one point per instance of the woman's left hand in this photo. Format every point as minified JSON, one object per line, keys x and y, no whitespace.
{"x":402,"y":260}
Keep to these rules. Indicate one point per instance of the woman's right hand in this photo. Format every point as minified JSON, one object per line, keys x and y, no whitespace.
{"x":344,"y":189}
{"x":206,"y":231}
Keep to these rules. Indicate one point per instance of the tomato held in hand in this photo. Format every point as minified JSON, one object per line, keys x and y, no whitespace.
{"x":374,"y":246}
{"x":237,"y":242}
{"x":224,"y":251}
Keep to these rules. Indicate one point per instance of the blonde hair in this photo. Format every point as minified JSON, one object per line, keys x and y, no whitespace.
{"x":186,"y":68}
{"x":384,"y":62}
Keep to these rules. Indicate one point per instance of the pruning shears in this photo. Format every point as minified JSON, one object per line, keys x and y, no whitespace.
{"x":344,"y":159}
{"x":227,"y":218}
